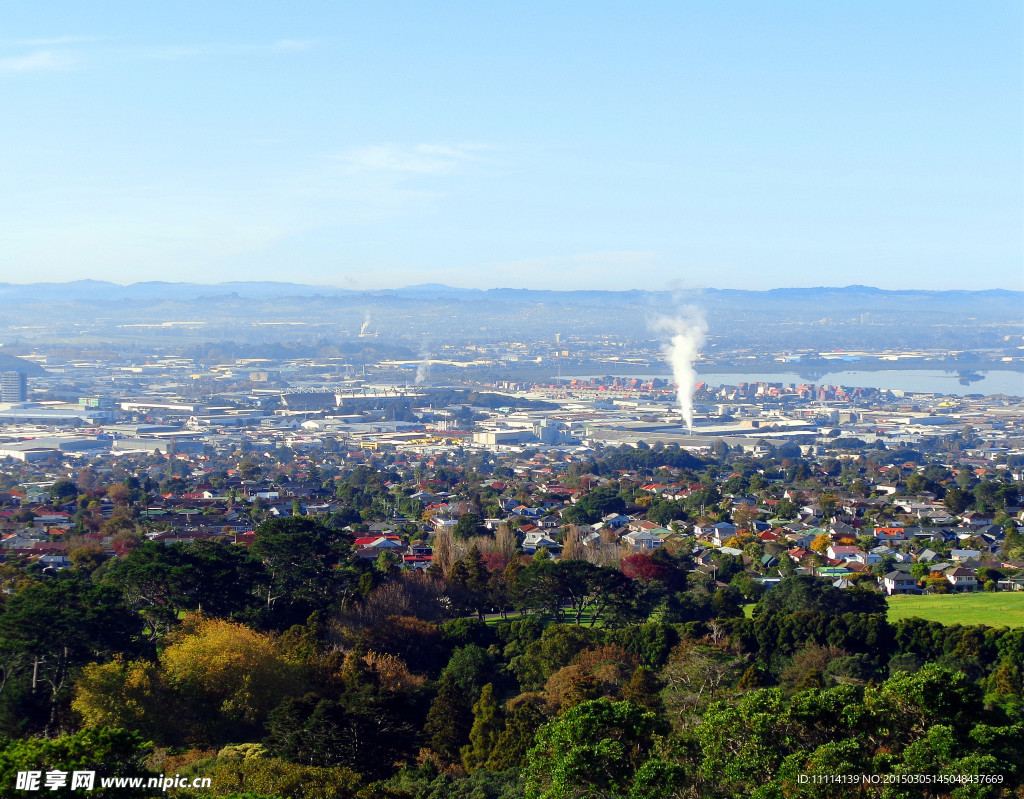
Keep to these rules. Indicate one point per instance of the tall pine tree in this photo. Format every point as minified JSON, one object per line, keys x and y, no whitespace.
{"x":449,"y":719}
{"x":487,"y":726}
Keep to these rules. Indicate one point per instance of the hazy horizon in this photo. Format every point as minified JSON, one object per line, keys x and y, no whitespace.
{"x":432,"y":284}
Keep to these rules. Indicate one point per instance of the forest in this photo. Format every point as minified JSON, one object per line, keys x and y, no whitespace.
{"x":292,"y":668}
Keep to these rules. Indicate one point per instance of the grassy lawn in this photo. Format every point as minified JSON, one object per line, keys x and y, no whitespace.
{"x":587,"y":620}
{"x":1000,"y":609}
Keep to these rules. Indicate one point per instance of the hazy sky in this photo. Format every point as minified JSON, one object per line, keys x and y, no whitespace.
{"x":538,"y":144}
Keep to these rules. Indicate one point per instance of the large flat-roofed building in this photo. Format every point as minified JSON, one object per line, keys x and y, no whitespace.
{"x":40,"y":448}
{"x":492,"y":438}
{"x":13,"y":387}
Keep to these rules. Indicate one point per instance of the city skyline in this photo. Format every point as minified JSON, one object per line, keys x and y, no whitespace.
{"x":654,"y":147}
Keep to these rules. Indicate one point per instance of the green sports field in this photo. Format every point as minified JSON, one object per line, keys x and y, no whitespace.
{"x":1000,"y":609}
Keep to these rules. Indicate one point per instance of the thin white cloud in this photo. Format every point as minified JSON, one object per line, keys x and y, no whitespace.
{"x":55,"y":40}
{"x":66,"y":57}
{"x":40,"y":61}
{"x":176,"y":52}
{"x":417,"y":159}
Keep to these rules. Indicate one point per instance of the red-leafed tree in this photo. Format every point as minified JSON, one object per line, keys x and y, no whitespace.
{"x":645,"y":568}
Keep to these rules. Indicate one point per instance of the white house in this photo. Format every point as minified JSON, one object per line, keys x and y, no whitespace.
{"x":962,"y":579}
{"x":642,"y":540}
{"x":896,"y":582}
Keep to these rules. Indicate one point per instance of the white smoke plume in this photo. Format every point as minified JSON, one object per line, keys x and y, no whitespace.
{"x":423,"y":367}
{"x":686,"y":336}
{"x":364,"y":326}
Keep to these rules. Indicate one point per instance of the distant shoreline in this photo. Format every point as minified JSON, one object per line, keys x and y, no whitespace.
{"x":829,"y":366}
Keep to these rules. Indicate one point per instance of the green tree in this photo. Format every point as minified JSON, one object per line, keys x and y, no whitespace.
{"x":468,"y":526}
{"x":643,"y":690}
{"x":555,"y":649}
{"x":88,"y":557}
{"x":64,"y":490}
{"x":161,"y":582}
{"x":523,"y":717}
{"x":664,"y":512}
{"x":365,"y":728}
{"x":48,"y":632}
{"x":931,"y":721}
{"x":786,"y":509}
{"x":302,"y":560}
{"x":957,"y":500}
{"x":595,"y":749}
{"x":105,"y":751}
{"x":585,"y":586}
{"x":594,"y":505}
{"x":449,"y":719}
{"x":803,"y":592}
{"x":483,"y":736}
{"x":254,"y":777}
{"x":1013,"y":542}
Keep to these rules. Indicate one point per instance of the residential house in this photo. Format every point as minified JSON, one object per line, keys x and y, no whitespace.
{"x":867,"y":558}
{"x":615,"y":520}
{"x":722,"y":532}
{"x":418,"y":561}
{"x":962,"y":579}
{"x":55,"y":562}
{"x":537,"y":539}
{"x":897,"y":582}
{"x":370,"y":547}
{"x":843,"y":530}
{"x":797,"y":554}
{"x":891,"y":535}
{"x":644,"y":540}
{"x":843,"y":552}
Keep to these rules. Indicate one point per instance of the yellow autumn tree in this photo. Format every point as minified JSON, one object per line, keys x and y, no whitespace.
{"x":236,"y":775}
{"x":391,"y":672}
{"x":228,"y":676}
{"x":740,"y":540}
{"x":120,"y":693}
{"x":821,"y":543}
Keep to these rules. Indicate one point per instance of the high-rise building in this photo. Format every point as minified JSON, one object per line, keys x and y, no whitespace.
{"x":13,"y":387}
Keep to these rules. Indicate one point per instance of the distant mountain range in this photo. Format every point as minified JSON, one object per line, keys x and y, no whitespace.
{"x":95,"y":313}
{"x":84,"y":290}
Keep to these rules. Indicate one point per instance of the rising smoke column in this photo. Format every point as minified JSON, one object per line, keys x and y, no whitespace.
{"x":365,"y":326}
{"x":423,"y":367}
{"x":686,"y":332}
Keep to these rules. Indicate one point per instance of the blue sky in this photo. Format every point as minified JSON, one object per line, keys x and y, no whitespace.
{"x":528,"y":144}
